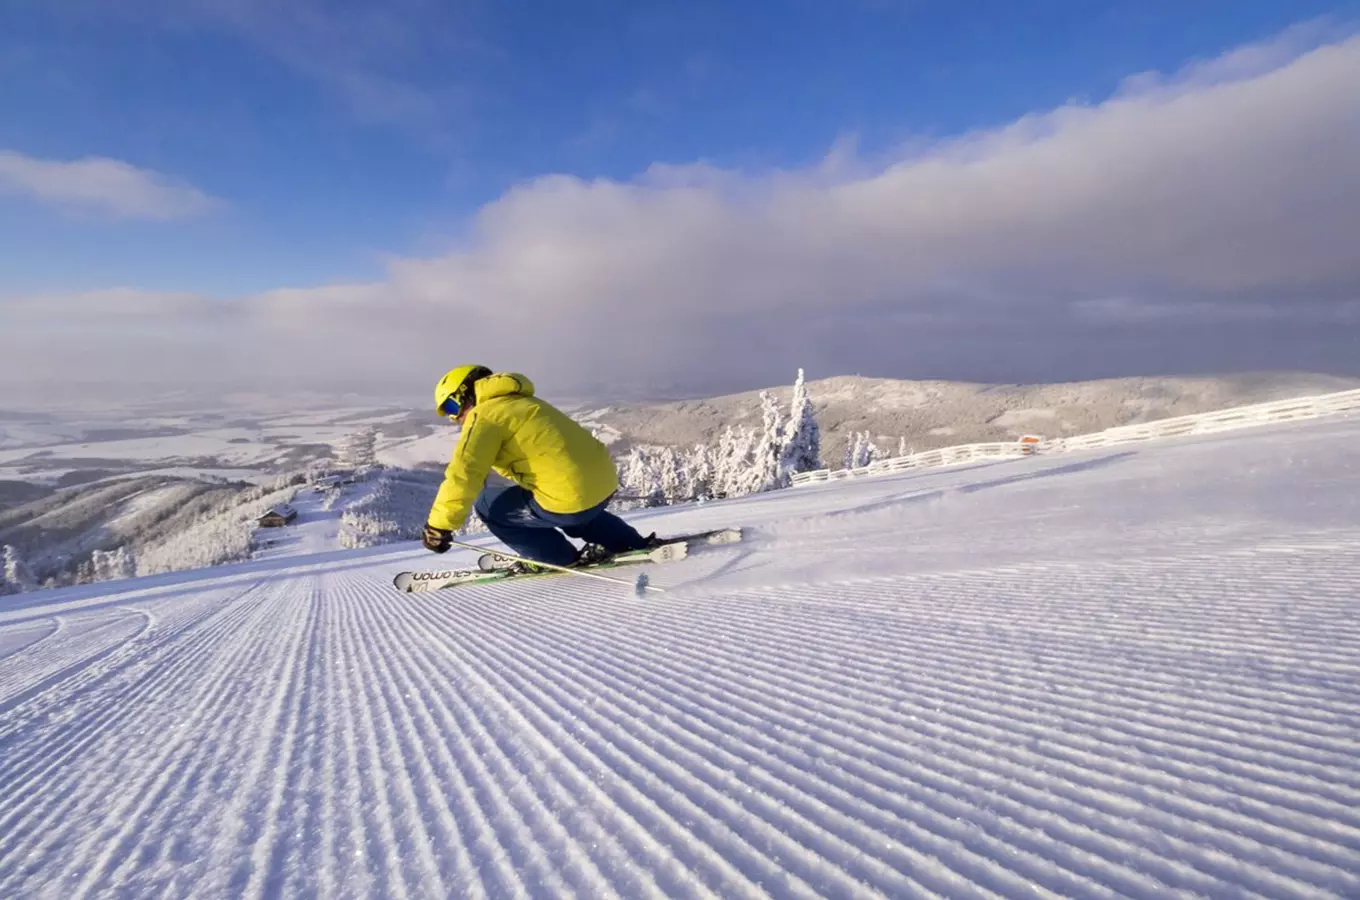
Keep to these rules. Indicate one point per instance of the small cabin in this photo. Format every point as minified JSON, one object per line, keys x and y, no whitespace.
{"x":278,"y":517}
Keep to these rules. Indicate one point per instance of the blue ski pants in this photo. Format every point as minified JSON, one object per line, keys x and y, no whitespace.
{"x":533,"y":532}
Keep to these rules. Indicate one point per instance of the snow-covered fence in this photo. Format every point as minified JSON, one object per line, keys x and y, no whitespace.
{"x":944,"y":456}
{"x":1211,"y":422}
{"x":1200,"y":423}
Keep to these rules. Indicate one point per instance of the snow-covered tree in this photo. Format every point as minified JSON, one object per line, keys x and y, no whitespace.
{"x":670,"y":477}
{"x":699,"y":470}
{"x":642,"y":477}
{"x":768,"y":452}
{"x":110,"y":565}
{"x":733,"y":467}
{"x":722,"y":456}
{"x":392,"y":507}
{"x":745,"y":460}
{"x":631,"y":475}
{"x":860,"y":450}
{"x":802,"y":451}
{"x":14,"y":575}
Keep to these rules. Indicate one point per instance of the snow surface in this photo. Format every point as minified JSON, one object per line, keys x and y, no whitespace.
{"x":1124,"y":673}
{"x":416,"y":452}
{"x":146,"y":501}
{"x":234,"y":447}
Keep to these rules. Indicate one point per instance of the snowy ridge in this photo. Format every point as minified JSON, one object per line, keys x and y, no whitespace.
{"x":1127,"y":675}
{"x":933,"y":414}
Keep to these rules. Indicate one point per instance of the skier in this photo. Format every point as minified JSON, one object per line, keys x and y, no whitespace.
{"x":562,"y":476}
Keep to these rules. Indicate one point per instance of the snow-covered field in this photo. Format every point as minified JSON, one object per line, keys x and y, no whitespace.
{"x":1125,"y":673}
{"x":411,"y":453}
{"x":253,"y":445}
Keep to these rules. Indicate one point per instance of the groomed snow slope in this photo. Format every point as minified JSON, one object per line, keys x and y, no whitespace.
{"x":1133,"y":672}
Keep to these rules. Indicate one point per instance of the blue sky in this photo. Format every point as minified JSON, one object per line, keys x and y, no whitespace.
{"x":300,"y":143}
{"x":320,"y":183}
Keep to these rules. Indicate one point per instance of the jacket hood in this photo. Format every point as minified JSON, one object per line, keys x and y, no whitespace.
{"x":504,"y":384}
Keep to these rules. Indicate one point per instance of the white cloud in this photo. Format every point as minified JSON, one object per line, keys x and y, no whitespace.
{"x":1198,"y":222}
{"x":104,"y":186}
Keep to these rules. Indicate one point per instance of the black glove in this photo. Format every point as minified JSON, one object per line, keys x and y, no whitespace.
{"x":437,"y":539}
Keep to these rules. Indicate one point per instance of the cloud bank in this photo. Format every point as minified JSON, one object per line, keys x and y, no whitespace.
{"x":1202,"y":222}
{"x":103,"y":186}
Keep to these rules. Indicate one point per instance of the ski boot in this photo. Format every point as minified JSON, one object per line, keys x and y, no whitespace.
{"x":592,"y":555}
{"x":595,"y":554}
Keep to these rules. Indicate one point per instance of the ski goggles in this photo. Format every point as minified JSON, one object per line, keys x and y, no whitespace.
{"x":451,"y":407}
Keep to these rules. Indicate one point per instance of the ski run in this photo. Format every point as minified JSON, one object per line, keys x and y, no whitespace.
{"x":1132,"y":672}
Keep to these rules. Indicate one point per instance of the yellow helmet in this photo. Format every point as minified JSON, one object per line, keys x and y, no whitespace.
{"x":454,"y":391}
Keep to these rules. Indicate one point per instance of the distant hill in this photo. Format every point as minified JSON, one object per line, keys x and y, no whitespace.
{"x":57,"y":531}
{"x":931,"y":414}
{"x":17,"y":493}
{"x":165,"y":523}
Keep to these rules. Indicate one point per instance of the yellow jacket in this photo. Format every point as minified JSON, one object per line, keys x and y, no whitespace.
{"x":532,"y":443}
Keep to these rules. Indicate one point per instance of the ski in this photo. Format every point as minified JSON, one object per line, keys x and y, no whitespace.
{"x":671,"y":550}
{"x":419,"y":582}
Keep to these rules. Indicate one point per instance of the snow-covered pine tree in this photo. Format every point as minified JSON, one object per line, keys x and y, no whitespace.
{"x":736,"y":462}
{"x":111,"y":565}
{"x":769,"y":449}
{"x":14,"y":575}
{"x":655,"y":494}
{"x":100,"y":565}
{"x":860,"y":451}
{"x":740,"y":482}
{"x":391,"y":507}
{"x":630,"y":474}
{"x":722,"y":456}
{"x":642,"y":477}
{"x":802,"y":451}
{"x":749,"y":473}
{"x":669,"y":477}
{"x":685,"y":488}
{"x":699,"y":471}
